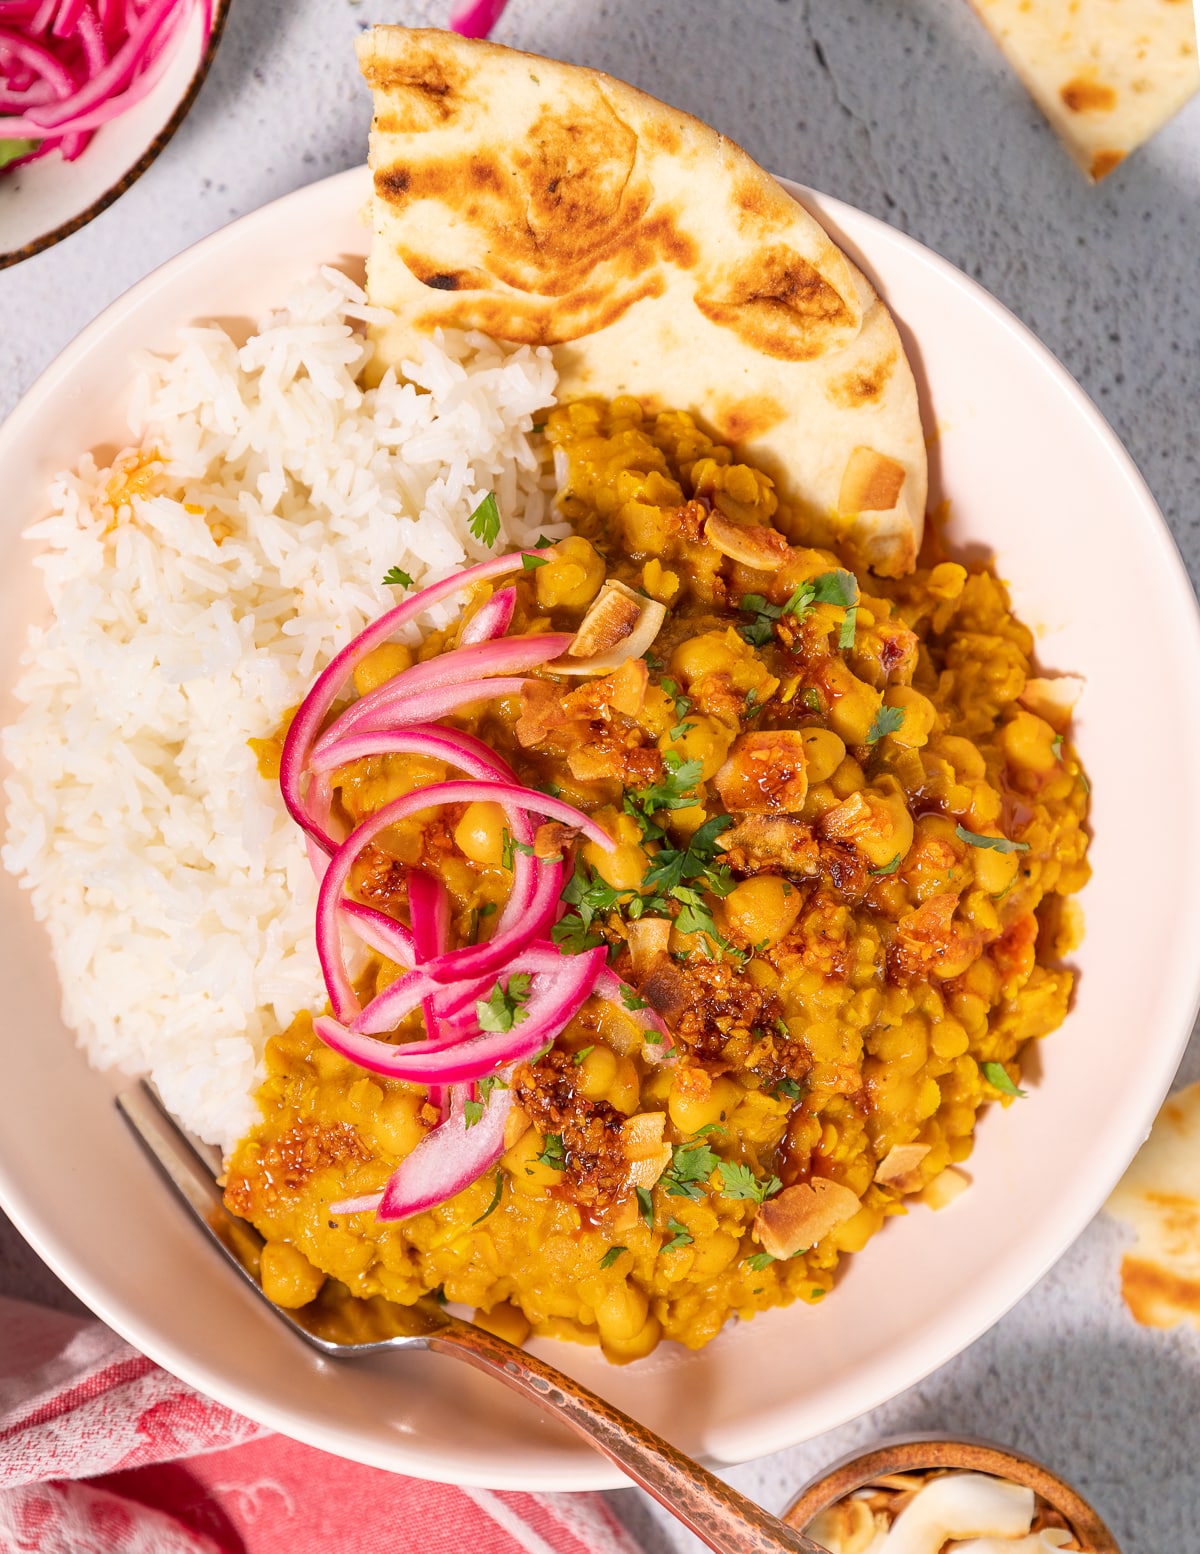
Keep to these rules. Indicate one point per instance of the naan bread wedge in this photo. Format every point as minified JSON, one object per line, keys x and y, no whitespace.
{"x":547,"y":204}
{"x":1106,"y":73}
{"x":1159,"y":1196}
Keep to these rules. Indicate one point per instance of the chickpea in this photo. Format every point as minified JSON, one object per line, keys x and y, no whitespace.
{"x":596,"y":1073}
{"x":659,"y":583}
{"x":1028,"y":742}
{"x":480,"y":833}
{"x":506,"y":1321}
{"x":572,"y":576}
{"x":621,"y":1312}
{"x":625,"y":1090}
{"x":625,"y":867}
{"x":379,"y":665}
{"x":714,"y":1251}
{"x":877,"y":823}
{"x":709,"y":653}
{"x":705,"y":740}
{"x":994,"y":872}
{"x":530,"y":1176}
{"x":622,"y":1351}
{"x":762,"y":909}
{"x":823,"y":753}
{"x":288,"y":1278}
{"x":964,"y":757}
{"x":920,"y":715}
{"x":854,"y":703}
{"x":396,"y":1126}
{"x":947,"y":580}
{"x":697,"y":1099}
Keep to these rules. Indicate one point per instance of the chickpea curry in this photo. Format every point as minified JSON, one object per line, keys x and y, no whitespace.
{"x":847,"y":821}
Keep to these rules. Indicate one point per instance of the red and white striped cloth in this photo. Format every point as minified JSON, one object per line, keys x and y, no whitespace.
{"x":103,"y":1453}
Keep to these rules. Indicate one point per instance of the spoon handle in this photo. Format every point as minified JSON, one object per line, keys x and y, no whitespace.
{"x":727,"y":1521}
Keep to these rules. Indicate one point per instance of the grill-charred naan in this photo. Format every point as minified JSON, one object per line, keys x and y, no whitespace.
{"x":548,"y":204}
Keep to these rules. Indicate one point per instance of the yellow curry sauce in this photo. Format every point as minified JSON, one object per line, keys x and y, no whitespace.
{"x":850,"y":965}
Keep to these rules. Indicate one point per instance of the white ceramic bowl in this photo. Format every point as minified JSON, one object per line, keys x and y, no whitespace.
{"x":1030,"y":470}
{"x":47,"y":200}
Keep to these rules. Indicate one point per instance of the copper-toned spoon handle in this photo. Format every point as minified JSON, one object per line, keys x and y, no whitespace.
{"x":717,"y":1514}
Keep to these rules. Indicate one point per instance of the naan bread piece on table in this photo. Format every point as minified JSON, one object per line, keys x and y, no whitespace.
{"x":548,"y":204}
{"x":1106,"y":73}
{"x":1159,"y":1196}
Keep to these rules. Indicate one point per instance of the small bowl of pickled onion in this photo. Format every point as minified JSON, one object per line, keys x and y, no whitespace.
{"x":90,"y":93}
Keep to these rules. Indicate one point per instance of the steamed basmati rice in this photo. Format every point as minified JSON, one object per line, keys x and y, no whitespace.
{"x":175,"y":889}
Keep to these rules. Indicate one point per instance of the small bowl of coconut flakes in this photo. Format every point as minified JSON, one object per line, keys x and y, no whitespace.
{"x":933,"y":1495}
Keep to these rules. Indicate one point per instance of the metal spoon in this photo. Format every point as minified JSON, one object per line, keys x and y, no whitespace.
{"x":346,"y":1328}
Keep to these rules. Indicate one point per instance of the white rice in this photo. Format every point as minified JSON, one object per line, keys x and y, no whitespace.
{"x":175,"y":889}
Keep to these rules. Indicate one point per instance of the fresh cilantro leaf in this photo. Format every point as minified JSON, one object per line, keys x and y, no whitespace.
{"x":531,"y":563}
{"x":849,"y":629}
{"x":438,"y":1293}
{"x":677,"y":790}
{"x":543,"y":542}
{"x":759,"y":631}
{"x":591,"y":897}
{"x":484,"y":522}
{"x":691,"y":1166}
{"x":509,"y":847}
{"x":815,"y":1294}
{"x":646,"y":1205}
{"x":801,"y":601}
{"x":683,"y":703}
{"x":611,"y":1256}
{"x":812,"y":699}
{"x":787,"y":1087}
{"x":759,"y":1260}
{"x":1056,"y":745}
{"x":581,"y":1056}
{"x":487,"y":909}
{"x":889,"y":868}
{"x":702,"y":1133}
{"x":495,"y":1203}
{"x":490,"y":1083}
{"x":395,"y":578}
{"x":997,"y":1076}
{"x":837,"y":587}
{"x":1086,"y":785}
{"x":998,"y":844}
{"x":572,"y":935}
{"x":472,"y":1112}
{"x":886,"y":721}
{"x":681,"y":730}
{"x":751,"y":707}
{"x":501,"y":1009}
{"x":538,"y":426}
{"x":739,"y":1181}
{"x":681,"y":1236}
{"x":631,"y":1000}
{"x":553,"y":1154}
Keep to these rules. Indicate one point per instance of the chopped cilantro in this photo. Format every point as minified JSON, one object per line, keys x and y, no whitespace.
{"x":495,"y":1203}
{"x":631,"y":1000}
{"x":812,"y":699}
{"x":646,"y":1205}
{"x":752,"y":706}
{"x":889,"y":868}
{"x":691,"y":1166}
{"x":849,"y":628}
{"x":815,"y":1294}
{"x":501,"y":1009}
{"x":759,"y":1260}
{"x":489,"y":1083}
{"x":484,"y":522}
{"x":886,"y":721}
{"x":758,"y":632}
{"x":531,"y":563}
{"x":998,"y":844}
{"x":395,"y":578}
{"x":1056,"y":745}
{"x":543,"y":542}
{"x":591,"y":897}
{"x":581,"y":1056}
{"x":680,"y":1236}
{"x":997,"y":1076}
{"x":740,"y":1182}
{"x":611,"y":1256}
{"x":553,"y":1154}
{"x":538,"y":426}
{"x":681,"y":730}
{"x":472,"y":1112}
{"x":787,"y":1087}
{"x":677,"y":790}
{"x":509,"y":847}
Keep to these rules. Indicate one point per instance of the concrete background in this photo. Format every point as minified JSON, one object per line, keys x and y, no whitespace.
{"x":903,"y":108}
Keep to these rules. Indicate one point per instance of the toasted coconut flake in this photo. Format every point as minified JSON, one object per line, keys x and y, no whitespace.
{"x":802,"y":1215}
{"x":872,"y":483}
{"x":849,"y":1527}
{"x":1053,"y":699}
{"x":874,"y":492}
{"x":648,"y":941}
{"x":945,"y":1187}
{"x":754,"y":546}
{"x":765,"y":773}
{"x":900,"y":1167}
{"x":643,"y":1134}
{"x":619,"y":625}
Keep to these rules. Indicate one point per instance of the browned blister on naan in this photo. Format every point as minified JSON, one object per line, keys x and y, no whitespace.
{"x":547,"y":204}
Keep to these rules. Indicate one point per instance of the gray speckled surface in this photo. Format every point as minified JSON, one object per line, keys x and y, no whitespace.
{"x":902,"y":108}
